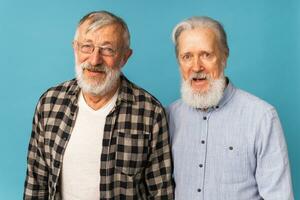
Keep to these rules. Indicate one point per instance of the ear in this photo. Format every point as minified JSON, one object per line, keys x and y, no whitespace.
{"x":74,"y":45}
{"x":224,"y":61}
{"x":126,"y":56}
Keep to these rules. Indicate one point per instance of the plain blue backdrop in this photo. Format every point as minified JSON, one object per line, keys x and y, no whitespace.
{"x":36,"y":53}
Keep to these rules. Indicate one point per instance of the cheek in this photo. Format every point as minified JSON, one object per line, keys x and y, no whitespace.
{"x":111,"y":63}
{"x":80,"y":58}
{"x":185,"y":70}
{"x":114,"y":63}
{"x":216,"y":72}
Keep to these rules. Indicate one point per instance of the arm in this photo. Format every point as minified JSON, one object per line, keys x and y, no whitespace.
{"x":36,"y":183}
{"x":273,"y":170}
{"x":159,"y":171}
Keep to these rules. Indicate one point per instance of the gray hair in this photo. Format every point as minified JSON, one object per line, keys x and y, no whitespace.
{"x":201,"y":22}
{"x":99,"y":19}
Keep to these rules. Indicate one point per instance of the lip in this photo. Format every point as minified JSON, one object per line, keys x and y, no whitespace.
{"x":94,"y":73}
{"x":199,"y":83}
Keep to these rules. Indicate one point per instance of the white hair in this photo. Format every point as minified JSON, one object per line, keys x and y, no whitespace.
{"x":201,"y":22}
{"x":99,"y":19}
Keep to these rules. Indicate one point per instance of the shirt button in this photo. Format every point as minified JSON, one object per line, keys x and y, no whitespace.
{"x":199,"y":190}
{"x":204,"y":118}
{"x":200,"y":165}
{"x":202,"y":141}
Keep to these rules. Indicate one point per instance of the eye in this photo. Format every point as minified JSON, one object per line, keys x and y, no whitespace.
{"x":107,"y":51}
{"x":87,"y":48}
{"x":187,"y":57}
{"x":207,"y":55}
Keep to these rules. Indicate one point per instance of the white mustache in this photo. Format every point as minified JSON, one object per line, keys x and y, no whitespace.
{"x":97,"y":68}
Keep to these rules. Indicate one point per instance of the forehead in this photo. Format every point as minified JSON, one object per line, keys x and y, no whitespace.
{"x":198,"y":38}
{"x":107,"y":33}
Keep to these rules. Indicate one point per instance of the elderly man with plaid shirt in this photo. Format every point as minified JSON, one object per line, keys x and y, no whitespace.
{"x":99,"y":136}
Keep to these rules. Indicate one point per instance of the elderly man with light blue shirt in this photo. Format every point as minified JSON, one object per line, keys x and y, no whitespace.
{"x":227,"y":144}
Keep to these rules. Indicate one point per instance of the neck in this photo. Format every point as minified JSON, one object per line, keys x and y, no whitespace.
{"x":98,"y":101}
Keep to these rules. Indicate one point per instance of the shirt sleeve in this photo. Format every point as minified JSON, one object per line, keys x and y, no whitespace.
{"x":36,"y":183}
{"x":273,"y":170}
{"x":159,"y":171}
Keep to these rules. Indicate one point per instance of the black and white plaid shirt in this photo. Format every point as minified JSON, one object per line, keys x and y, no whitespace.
{"x":135,"y":159}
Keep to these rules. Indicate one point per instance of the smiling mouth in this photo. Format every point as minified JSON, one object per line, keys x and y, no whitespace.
{"x":95,"y":70}
{"x":95,"y":73}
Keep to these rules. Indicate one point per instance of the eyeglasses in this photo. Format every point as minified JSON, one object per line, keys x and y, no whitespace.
{"x":89,"y":48}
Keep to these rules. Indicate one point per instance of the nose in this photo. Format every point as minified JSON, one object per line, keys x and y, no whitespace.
{"x":198,"y":65}
{"x":96,"y":58}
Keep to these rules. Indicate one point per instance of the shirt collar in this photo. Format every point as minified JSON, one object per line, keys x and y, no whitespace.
{"x":125,"y":91}
{"x":227,"y":95}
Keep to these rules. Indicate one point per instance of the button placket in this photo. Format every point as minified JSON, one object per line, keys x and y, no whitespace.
{"x":203,"y":146}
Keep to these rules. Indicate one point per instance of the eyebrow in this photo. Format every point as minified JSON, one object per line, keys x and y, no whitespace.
{"x":202,"y":51}
{"x":89,"y":41}
{"x":184,"y":53}
{"x":106,"y":43}
{"x":103,"y":44}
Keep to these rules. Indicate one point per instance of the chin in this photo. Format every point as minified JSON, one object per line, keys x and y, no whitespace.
{"x":200,"y":90}
{"x":93,"y":81}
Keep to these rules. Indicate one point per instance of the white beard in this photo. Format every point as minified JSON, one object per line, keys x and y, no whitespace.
{"x":97,"y":87}
{"x":203,"y":100}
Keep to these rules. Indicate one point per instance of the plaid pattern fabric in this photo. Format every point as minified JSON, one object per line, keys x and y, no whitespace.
{"x":135,"y":159}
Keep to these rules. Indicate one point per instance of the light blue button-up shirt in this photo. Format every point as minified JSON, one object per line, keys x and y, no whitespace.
{"x":235,"y":151}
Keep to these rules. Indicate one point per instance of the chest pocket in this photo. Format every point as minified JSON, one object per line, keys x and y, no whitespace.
{"x":132,"y":152}
{"x":234,"y":163}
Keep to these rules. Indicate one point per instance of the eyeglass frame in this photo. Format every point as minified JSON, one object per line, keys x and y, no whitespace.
{"x":101,"y":49}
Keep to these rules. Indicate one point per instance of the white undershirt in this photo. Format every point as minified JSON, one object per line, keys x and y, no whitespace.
{"x":81,"y":162}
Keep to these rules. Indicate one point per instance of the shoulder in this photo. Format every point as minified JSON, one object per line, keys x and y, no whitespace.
{"x":174,"y":107}
{"x":251,"y":101}
{"x":178,"y":110}
{"x":251,"y":106}
{"x":60,"y":91}
{"x":143,"y":98}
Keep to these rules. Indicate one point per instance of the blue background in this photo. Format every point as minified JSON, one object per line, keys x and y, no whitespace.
{"x":36,"y":53}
